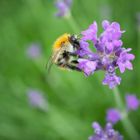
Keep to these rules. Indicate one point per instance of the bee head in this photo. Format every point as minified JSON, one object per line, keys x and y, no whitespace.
{"x":74,"y":41}
{"x":73,"y":38}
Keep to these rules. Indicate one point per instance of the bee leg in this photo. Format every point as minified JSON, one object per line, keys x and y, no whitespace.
{"x":71,"y":54}
{"x":77,"y":45}
{"x":74,"y":62}
{"x":72,"y":67}
{"x":60,"y":64}
{"x":69,"y":66}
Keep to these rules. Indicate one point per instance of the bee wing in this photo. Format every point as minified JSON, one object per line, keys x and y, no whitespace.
{"x":52,"y":58}
{"x":51,"y":61}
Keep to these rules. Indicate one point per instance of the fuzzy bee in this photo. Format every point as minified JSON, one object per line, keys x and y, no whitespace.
{"x":63,"y":54}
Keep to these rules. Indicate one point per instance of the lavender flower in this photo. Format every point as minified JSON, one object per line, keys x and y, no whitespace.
{"x":132,"y":102}
{"x":109,"y":54}
{"x":36,"y":99}
{"x":108,"y":133}
{"x":63,"y":7}
{"x":124,"y":60}
{"x":113,"y":115}
{"x":34,"y":51}
{"x":112,"y":80}
{"x":90,"y":33}
{"x":87,"y":66}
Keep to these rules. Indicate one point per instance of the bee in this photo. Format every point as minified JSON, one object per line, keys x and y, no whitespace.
{"x":63,"y":54}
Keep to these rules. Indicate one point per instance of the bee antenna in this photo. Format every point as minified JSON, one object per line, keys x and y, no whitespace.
{"x":79,"y":36}
{"x":49,"y":65}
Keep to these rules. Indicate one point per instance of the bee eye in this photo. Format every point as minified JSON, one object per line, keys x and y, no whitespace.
{"x":73,"y":38}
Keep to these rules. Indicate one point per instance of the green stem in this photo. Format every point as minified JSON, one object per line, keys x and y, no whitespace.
{"x":138,"y":47}
{"x":131,"y":131}
{"x":72,"y":23}
{"x":118,"y":100}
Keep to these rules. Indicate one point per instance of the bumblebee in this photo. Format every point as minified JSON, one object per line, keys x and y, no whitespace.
{"x":63,"y":54}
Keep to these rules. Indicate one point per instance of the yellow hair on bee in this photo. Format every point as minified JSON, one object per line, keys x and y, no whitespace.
{"x":61,"y":40}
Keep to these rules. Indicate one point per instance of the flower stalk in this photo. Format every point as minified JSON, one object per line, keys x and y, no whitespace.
{"x":72,"y":23}
{"x":118,"y":100}
{"x":130,"y":129}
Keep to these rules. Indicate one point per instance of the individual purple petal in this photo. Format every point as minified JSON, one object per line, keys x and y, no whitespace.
{"x":132,"y":102}
{"x":107,"y":133}
{"x":109,"y":126}
{"x":105,"y":24}
{"x":124,"y":60}
{"x":113,"y":115}
{"x":117,"y":43}
{"x":97,"y":129}
{"x":96,"y":125}
{"x":112,"y":32}
{"x":88,"y":67}
{"x":112,"y":80}
{"x":116,"y":30}
{"x":90,"y":33}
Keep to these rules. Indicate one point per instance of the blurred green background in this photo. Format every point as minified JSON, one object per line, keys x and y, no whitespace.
{"x":74,"y":101}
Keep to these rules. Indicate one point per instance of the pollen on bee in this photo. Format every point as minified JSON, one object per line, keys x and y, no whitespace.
{"x":62,"y":39}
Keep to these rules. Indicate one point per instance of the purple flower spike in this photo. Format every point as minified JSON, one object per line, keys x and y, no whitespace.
{"x":111,"y":80}
{"x":113,"y":115}
{"x":36,"y":99}
{"x":109,"y":53}
{"x":34,"y":51}
{"x":87,"y":66}
{"x":63,"y":7}
{"x":108,"y":133}
{"x":132,"y":102}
